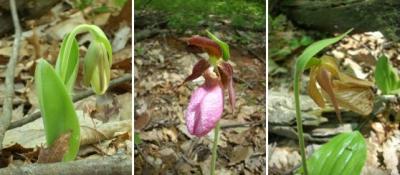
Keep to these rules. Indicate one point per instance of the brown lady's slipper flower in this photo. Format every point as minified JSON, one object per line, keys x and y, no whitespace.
{"x":343,"y":90}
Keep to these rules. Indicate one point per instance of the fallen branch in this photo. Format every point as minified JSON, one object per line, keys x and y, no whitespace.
{"x":148,"y":33}
{"x":5,"y":119}
{"x":77,"y":97}
{"x":113,"y":165}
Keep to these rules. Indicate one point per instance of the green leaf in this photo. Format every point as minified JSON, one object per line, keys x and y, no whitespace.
{"x":302,"y":62}
{"x":120,"y":3}
{"x":57,"y":109}
{"x":67,"y":61}
{"x":306,"y":40}
{"x":82,"y":4}
{"x":314,"y":48}
{"x":294,"y":43}
{"x":386,"y":77}
{"x":137,"y":139}
{"x":101,"y":9}
{"x":224,"y":47}
{"x":345,"y":154}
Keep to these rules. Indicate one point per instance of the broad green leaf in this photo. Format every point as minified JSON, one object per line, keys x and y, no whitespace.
{"x":224,"y":47}
{"x":345,"y":154}
{"x":304,"y":61}
{"x":57,"y":109}
{"x":386,"y":77}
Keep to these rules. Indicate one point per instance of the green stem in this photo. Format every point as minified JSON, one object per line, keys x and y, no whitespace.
{"x":214,"y":149}
{"x":299,"y":121}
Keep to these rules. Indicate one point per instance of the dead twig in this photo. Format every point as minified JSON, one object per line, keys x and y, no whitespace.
{"x":77,"y":97}
{"x":113,"y":165}
{"x":248,"y":124}
{"x":5,"y":119}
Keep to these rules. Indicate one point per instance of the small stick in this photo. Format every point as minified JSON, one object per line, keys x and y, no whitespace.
{"x":5,"y":119}
{"x":77,"y":97}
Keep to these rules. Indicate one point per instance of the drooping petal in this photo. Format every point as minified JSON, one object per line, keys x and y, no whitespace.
{"x":312,"y":89}
{"x":324,"y":79}
{"x":198,"y":69}
{"x":205,"y":108}
{"x":226,"y":72}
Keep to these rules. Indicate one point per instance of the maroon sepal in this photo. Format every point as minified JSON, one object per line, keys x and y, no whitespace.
{"x":211,"y":47}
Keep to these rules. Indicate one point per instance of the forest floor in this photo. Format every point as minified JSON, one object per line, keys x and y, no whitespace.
{"x":161,"y":64}
{"x":357,"y":55}
{"x":105,"y":120}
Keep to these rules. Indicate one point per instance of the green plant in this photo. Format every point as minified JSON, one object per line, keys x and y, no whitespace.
{"x":192,"y":14}
{"x":283,"y":43}
{"x":325,"y":70}
{"x":103,"y":7}
{"x":344,"y":154}
{"x":54,"y":86}
{"x":82,"y":4}
{"x":386,"y":77}
{"x":137,"y":140}
{"x":304,"y":61}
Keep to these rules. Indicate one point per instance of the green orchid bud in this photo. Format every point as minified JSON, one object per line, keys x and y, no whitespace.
{"x":97,"y":68}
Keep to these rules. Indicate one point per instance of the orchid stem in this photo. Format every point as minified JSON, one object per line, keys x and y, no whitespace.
{"x":299,"y":121}
{"x":214,"y":149}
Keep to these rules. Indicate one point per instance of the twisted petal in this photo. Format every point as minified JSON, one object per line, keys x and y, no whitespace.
{"x":205,"y":109}
{"x":324,"y":79}
{"x":198,"y":70}
{"x":312,"y":89}
{"x":226,"y":73}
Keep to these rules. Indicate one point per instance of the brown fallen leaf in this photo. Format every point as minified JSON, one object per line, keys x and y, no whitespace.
{"x":55,"y":153}
{"x":90,"y":135}
{"x":16,"y":152}
{"x":141,"y":120}
{"x":240,"y":153}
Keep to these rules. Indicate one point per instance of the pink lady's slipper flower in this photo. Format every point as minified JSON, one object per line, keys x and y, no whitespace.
{"x":207,"y":101}
{"x":206,"y":105}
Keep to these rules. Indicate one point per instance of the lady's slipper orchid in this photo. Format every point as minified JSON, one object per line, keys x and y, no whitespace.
{"x":206,"y":105}
{"x":343,"y":90}
{"x":207,"y":101}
